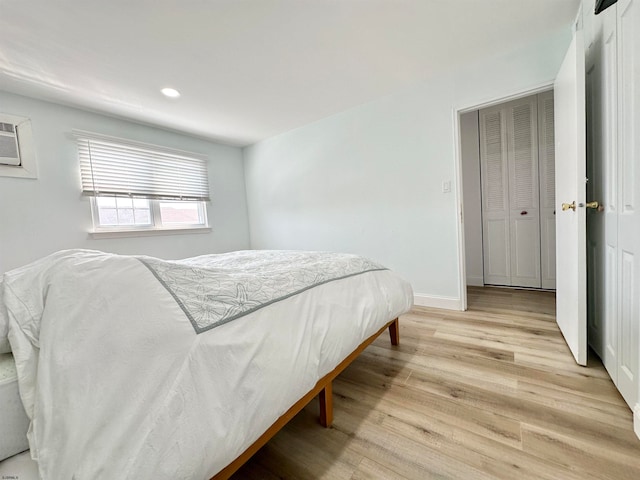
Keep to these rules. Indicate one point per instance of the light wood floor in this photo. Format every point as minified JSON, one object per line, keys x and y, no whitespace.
{"x":488,"y":393}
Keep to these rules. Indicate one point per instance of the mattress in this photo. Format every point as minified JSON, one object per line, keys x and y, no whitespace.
{"x":13,"y":419}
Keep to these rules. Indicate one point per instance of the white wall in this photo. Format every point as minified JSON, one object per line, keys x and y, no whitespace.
{"x":472,"y":213}
{"x":369,"y":180}
{"x":41,"y":216}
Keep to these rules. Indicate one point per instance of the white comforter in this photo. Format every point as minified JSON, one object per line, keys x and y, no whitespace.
{"x":118,"y":384}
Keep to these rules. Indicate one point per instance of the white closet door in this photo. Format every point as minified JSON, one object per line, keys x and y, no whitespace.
{"x":595,"y":233}
{"x":495,"y":197}
{"x":547,"y":167}
{"x":609,"y":159}
{"x":524,"y":215}
{"x":628,"y":192}
{"x":602,"y":231}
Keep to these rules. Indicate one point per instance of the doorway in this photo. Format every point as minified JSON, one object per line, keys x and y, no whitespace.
{"x":507,"y":176}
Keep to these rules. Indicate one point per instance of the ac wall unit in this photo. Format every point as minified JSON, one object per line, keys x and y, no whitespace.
{"x":9,"y":148}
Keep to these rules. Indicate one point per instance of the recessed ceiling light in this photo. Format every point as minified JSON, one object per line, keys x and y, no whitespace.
{"x":170,"y":92}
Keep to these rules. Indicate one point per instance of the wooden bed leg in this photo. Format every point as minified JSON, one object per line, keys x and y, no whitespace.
{"x":326,"y":405}
{"x":394,"y":332}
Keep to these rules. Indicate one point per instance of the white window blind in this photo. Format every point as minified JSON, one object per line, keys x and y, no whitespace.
{"x":120,"y":167}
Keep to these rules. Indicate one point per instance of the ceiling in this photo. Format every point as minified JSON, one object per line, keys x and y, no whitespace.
{"x":250,"y":69}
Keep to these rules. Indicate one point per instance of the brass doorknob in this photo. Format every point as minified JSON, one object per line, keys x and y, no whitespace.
{"x":567,"y":206}
{"x":592,"y":205}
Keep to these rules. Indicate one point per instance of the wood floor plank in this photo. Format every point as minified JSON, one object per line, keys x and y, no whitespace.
{"x":488,"y":424}
{"x":457,"y":437}
{"x":371,"y":470}
{"x":525,"y":410}
{"x":504,"y":365}
{"x":593,"y":462}
{"x":443,"y":364}
{"x":491,"y":393}
{"x":406,"y":456}
{"x":485,"y":455}
{"x":617,"y":414}
{"x":310,"y":462}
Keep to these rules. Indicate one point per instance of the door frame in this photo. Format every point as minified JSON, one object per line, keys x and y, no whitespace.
{"x":457,"y":111}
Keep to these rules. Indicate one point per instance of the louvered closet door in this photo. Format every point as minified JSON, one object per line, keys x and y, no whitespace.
{"x":524,"y":214}
{"x":495,"y":197}
{"x":510,"y":193}
{"x":547,"y":167}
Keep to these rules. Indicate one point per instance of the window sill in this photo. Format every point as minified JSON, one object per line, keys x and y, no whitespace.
{"x":103,"y":234}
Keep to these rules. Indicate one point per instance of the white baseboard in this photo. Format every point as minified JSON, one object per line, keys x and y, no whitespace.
{"x":636,"y":420}
{"x":474,"y":281}
{"x":435,"y":301}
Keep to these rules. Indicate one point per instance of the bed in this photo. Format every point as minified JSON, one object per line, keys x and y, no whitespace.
{"x":136,"y":367}
{"x":13,"y":419}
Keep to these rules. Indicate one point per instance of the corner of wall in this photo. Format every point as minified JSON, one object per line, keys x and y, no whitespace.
{"x":475,"y":281}
{"x":436,"y":301}
{"x":636,"y":420}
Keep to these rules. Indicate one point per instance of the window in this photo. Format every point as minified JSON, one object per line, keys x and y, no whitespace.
{"x":17,"y":153}
{"x":111,"y":212}
{"x":139,"y":187}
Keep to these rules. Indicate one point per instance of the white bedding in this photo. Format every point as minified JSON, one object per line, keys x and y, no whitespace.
{"x":4,"y":326}
{"x":13,"y":419}
{"x":119,"y":385}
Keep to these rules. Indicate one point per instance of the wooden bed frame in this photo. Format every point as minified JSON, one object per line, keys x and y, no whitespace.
{"x":324,"y":391}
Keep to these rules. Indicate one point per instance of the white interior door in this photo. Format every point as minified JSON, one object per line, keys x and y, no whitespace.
{"x":571,"y":235}
{"x":602,"y":227}
{"x":628,"y":188}
{"x":607,"y":294}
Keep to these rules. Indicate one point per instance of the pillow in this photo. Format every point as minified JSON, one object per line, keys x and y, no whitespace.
{"x":4,"y":323}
